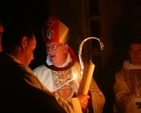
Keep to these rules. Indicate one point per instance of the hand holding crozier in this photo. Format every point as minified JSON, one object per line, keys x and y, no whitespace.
{"x":86,"y":78}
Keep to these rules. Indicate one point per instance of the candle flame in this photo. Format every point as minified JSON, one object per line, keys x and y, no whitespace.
{"x":74,"y":76}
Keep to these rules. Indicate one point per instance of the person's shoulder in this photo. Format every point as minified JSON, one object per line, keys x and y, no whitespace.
{"x":18,"y":69}
{"x":25,"y":68}
{"x":40,"y":68}
{"x":123,"y":70}
{"x":122,"y":73}
{"x":76,"y":63}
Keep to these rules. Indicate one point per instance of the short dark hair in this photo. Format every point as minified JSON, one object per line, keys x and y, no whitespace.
{"x":134,"y":41}
{"x":13,"y":34}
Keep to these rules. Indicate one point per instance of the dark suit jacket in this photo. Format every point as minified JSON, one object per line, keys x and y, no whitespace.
{"x":21,"y":91}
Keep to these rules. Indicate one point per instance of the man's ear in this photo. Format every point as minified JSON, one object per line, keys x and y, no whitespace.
{"x":24,"y":42}
{"x":65,"y":47}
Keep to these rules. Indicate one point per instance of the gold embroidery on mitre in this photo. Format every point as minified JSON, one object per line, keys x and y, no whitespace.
{"x":50,"y":32}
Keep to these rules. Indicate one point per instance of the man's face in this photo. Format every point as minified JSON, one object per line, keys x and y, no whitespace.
{"x":29,"y":49}
{"x":1,"y":31}
{"x":57,"y":53}
{"x":135,"y":54}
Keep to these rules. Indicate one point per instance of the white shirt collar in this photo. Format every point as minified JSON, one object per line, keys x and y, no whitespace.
{"x":128,"y":65}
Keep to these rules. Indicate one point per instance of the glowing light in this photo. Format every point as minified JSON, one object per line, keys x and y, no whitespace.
{"x":74,"y":76}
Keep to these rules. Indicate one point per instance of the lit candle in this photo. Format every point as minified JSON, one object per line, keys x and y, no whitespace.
{"x":86,"y":78}
{"x":74,"y":76}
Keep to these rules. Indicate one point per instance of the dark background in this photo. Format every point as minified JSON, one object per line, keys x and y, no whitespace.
{"x":30,"y":12}
{"x":117,"y":22}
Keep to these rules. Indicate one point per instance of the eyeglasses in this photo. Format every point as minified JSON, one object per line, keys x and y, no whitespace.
{"x":54,"y":47}
{"x":134,"y":51}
